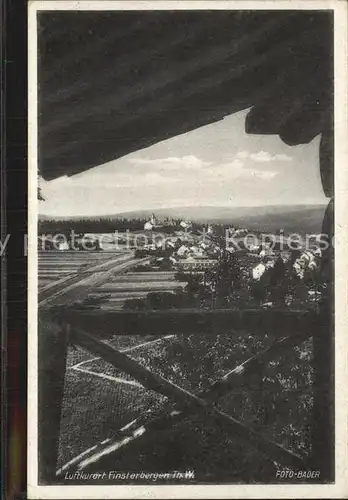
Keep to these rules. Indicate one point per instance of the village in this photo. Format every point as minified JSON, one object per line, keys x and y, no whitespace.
{"x":179,"y":263}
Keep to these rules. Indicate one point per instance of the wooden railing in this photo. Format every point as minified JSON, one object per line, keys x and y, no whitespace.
{"x":76,"y":328}
{"x":64,"y":320}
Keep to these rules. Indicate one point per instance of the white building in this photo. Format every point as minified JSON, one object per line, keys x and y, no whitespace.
{"x":185,"y":224}
{"x":195,"y":264}
{"x":182,"y":251}
{"x":64,"y":245}
{"x":258,"y":271}
{"x":240,"y":232}
{"x":305,"y":261}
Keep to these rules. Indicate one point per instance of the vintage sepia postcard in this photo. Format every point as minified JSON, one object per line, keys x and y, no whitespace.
{"x":187,"y":249}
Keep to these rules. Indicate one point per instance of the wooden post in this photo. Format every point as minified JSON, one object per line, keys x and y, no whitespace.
{"x":323,"y":338}
{"x":52,"y":352}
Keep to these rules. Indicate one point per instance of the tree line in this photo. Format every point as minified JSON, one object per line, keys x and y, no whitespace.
{"x":228,"y":284}
{"x":107,"y":225}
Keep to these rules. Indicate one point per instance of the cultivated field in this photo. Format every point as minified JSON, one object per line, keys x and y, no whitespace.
{"x":56,"y":266}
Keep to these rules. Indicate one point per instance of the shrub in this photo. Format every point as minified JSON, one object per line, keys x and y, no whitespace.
{"x":163,"y":300}
{"x":142,"y":268}
{"x":140,"y":254}
{"x":135,"y":304}
{"x":180,"y":276}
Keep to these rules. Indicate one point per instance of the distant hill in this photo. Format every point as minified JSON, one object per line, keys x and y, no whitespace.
{"x":296,"y":218}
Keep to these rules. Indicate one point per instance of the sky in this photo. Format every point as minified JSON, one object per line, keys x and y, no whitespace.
{"x":215,"y":165}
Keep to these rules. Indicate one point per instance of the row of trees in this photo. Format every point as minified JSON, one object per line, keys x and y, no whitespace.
{"x":281,"y":284}
{"x":98,"y":225}
{"x":227,"y":285}
{"x":108,"y":225}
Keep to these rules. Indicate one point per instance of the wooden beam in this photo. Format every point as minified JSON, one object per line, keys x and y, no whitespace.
{"x":52,"y":352}
{"x":187,"y":321}
{"x":236,"y":377}
{"x":323,"y":430}
{"x":123,"y":362}
{"x":185,"y":398}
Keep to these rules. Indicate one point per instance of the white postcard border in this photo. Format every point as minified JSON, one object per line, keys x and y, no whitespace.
{"x":340,"y":488}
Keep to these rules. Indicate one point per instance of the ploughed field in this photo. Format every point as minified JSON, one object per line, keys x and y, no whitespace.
{"x":56,"y":265}
{"x":134,"y":285}
{"x":59,"y":265}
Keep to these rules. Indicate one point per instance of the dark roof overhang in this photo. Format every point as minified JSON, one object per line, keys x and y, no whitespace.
{"x":111,"y":83}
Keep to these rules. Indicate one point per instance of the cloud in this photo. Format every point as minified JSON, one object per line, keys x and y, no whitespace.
{"x":242,"y":155}
{"x":283,"y":157}
{"x":151,"y":179}
{"x":264,"y":174}
{"x":263,"y":156}
{"x":190,"y":171}
{"x":189,"y":162}
{"x":235,"y":171}
{"x":174,"y":172}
